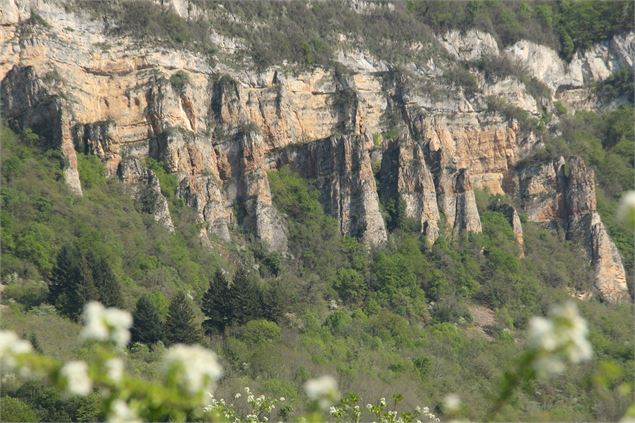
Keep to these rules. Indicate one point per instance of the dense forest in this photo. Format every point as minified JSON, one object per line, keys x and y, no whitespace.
{"x":410,"y":322}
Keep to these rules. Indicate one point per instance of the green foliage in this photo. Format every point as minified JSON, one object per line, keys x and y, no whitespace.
{"x":215,"y":306}
{"x":525,"y":120}
{"x":147,"y":324}
{"x":180,"y":325}
{"x":80,"y":276}
{"x":462,"y":77}
{"x":14,"y":410}
{"x":179,"y":80}
{"x":563,"y":25}
{"x":256,"y":332}
{"x":168,"y":181}
{"x":498,"y":67}
{"x":92,"y":172}
{"x":619,"y":85}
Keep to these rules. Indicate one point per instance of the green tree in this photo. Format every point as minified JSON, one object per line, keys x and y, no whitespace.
{"x":147,"y":325}
{"x":14,"y":410}
{"x":105,"y":281}
{"x":71,"y":283}
{"x":215,"y":305}
{"x":180,"y":326}
{"x":245,"y":298}
{"x":78,"y":278}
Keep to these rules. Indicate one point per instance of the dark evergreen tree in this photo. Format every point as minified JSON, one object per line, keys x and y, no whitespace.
{"x":105,"y":281}
{"x":71,"y":282}
{"x":78,"y":278}
{"x":180,"y":326}
{"x":62,"y":275}
{"x":215,"y":304}
{"x":147,"y":326}
{"x":245,"y":298}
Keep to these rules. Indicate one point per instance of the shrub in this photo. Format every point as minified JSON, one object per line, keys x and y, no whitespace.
{"x":256,"y":332}
{"x":179,"y":80}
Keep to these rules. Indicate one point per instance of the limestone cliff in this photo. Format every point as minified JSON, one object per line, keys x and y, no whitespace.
{"x":145,"y":187}
{"x":220,"y":128}
{"x":563,"y":193}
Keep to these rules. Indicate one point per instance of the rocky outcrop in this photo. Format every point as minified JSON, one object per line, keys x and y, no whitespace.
{"x":220,"y":129}
{"x":597,"y":63}
{"x":146,"y":189}
{"x":405,"y":176}
{"x":469,"y":45}
{"x":514,"y":220}
{"x":563,"y":193}
{"x":254,"y":193}
{"x":342,"y":168}
{"x":26,"y":103}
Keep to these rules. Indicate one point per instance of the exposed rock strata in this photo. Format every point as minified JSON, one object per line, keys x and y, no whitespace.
{"x":83,"y":89}
{"x":145,"y":188}
{"x":564,"y":192}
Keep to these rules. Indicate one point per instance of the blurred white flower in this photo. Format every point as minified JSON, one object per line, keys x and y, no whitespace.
{"x":114,"y":369}
{"x":237,"y":395}
{"x":562,"y":336}
{"x":322,"y":389}
{"x":197,"y":367}
{"x":626,"y":209}
{"x":121,"y":413}
{"x":10,"y":346}
{"x":104,"y":324}
{"x":451,"y":403}
{"x":75,"y":375}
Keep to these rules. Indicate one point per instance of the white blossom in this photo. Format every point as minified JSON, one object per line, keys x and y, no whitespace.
{"x":562,"y":336}
{"x":451,"y":403}
{"x":106,"y":324}
{"x":10,"y":346}
{"x":75,"y":374}
{"x":626,"y":209}
{"x":121,"y":413}
{"x":114,"y":369}
{"x":322,"y":389}
{"x":197,"y":367}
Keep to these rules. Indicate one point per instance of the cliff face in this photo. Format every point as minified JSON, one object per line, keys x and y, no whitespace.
{"x":563,"y":192}
{"x":220,"y":130}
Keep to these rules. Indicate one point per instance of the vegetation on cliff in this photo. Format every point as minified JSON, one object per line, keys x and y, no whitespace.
{"x":404,"y":320}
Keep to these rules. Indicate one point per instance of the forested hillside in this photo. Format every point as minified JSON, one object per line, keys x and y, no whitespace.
{"x":383,"y":193}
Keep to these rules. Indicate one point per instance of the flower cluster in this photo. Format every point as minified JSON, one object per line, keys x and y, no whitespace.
{"x":196,"y":368}
{"x":106,"y":324}
{"x":626,"y":209}
{"x":425,"y":413}
{"x":562,"y":336}
{"x":259,"y":410}
{"x":76,"y":379}
{"x":323,"y":390}
{"x":11,"y":347}
{"x":120,"y":412}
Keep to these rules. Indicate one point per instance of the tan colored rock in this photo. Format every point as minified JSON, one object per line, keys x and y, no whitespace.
{"x":514,"y":220}
{"x":341,"y":165}
{"x":564,"y":192}
{"x":146,"y":189}
{"x":405,"y":176}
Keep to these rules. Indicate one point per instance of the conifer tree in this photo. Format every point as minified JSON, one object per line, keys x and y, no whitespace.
{"x":78,"y":278}
{"x":245,"y":298}
{"x":215,"y":304}
{"x":147,"y":326}
{"x":180,"y":326}
{"x":105,"y":281}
